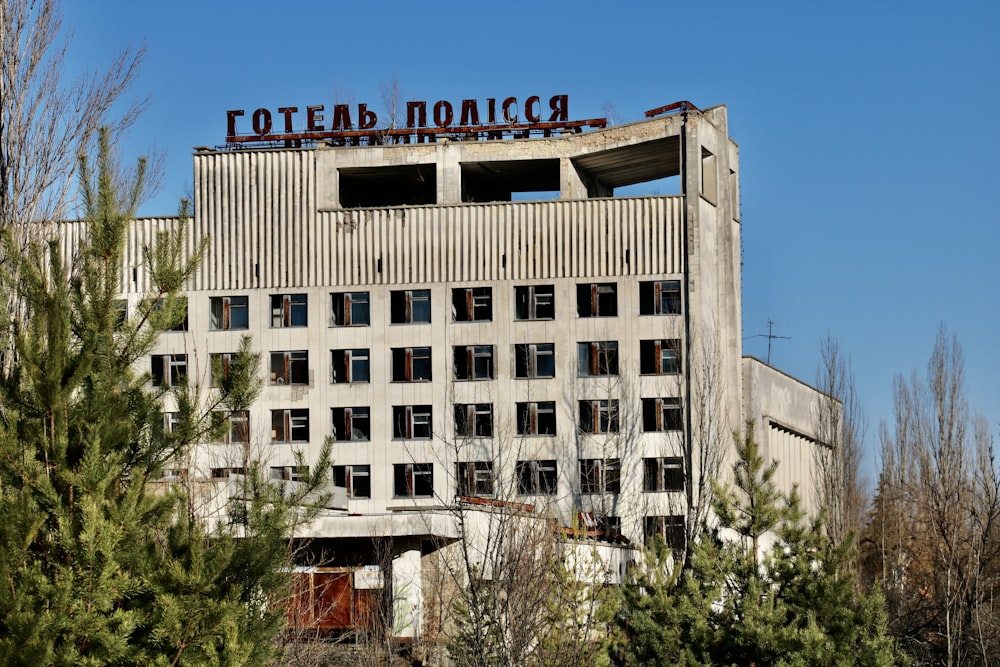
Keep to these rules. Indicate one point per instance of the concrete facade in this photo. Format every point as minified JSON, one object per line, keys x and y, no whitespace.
{"x":464,"y":345}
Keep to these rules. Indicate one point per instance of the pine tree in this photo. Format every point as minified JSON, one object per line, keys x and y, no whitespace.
{"x":765,"y":586}
{"x":98,"y":564}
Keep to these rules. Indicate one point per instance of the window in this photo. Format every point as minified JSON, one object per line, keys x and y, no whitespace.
{"x":411,"y":364}
{"x":475,"y":478}
{"x":229,"y":312}
{"x":221,"y":363}
{"x":663,"y":474}
{"x":536,"y":418}
{"x":474,"y":420}
{"x":289,"y":310}
{"x":350,"y":309}
{"x":536,"y":478}
{"x":234,"y":426}
{"x":349,"y":366}
{"x":290,"y":425}
{"x":411,"y":422}
{"x":660,"y":357}
{"x":169,"y":370}
{"x":670,"y":529}
{"x":357,"y":479}
{"x":534,"y":302}
{"x":180,"y":322}
{"x":472,"y":304}
{"x":535,"y":360}
{"x":473,"y":362}
{"x":413,"y":480}
{"x":599,"y":416}
{"x":597,"y":358}
{"x":600,"y":475}
{"x":597,"y":300}
{"x":661,"y":414}
{"x":660,"y":297}
{"x":351,"y":424}
{"x":288,"y":473}
{"x":171,"y":421}
{"x":226,"y":473}
{"x":290,"y":367}
{"x":121,"y":314}
{"x":410,"y":306}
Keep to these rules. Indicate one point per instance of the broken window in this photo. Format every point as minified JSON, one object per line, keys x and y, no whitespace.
{"x":229,"y":312}
{"x":171,"y":421}
{"x":413,"y":480}
{"x":290,"y":425}
{"x":234,"y":426}
{"x":410,"y":306}
{"x":597,"y":300}
{"x":597,"y":358}
{"x":288,"y":473}
{"x":350,"y":309}
{"x":472,"y":304}
{"x":349,"y":366}
{"x":660,"y":357}
{"x":663,"y":474}
{"x":661,"y":414}
{"x":221,"y":363}
{"x":475,"y":478}
{"x":534,"y":302}
{"x":474,"y":420}
{"x":473,"y":362}
{"x":411,"y":364}
{"x":357,"y":479}
{"x":670,"y":529}
{"x":351,"y":424}
{"x":536,"y":418}
{"x":535,"y":360}
{"x":660,"y":297}
{"x":600,"y":475}
{"x":169,"y":370}
{"x":289,"y":310}
{"x":180,"y":314}
{"x":290,"y":367}
{"x":537,"y":477}
{"x":599,"y":416}
{"x":411,"y":422}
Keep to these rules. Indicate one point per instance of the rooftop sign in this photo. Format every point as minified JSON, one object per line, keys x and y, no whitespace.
{"x":344,"y":125}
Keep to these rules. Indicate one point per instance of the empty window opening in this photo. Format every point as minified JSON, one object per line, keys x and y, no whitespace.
{"x":660,"y":357}
{"x":169,"y":370}
{"x":661,"y":414}
{"x":411,"y":422}
{"x":229,"y":313}
{"x":290,"y":367}
{"x":475,"y":478}
{"x":472,"y":304}
{"x":410,"y":306}
{"x":534,"y":302}
{"x":474,"y":420}
{"x":536,"y":418}
{"x":349,"y":366}
{"x":663,"y":474}
{"x":510,"y":180}
{"x":473,"y":362}
{"x":289,"y":310}
{"x":600,"y":476}
{"x":350,"y":309}
{"x":537,"y":477}
{"x":660,"y":297}
{"x":413,"y":480}
{"x":368,"y":187}
{"x":357,"y":479}
{"x":351,"y":424}
{"x":290,"y":425}
{"x":535,"y":360}
{"x":597,"y":300}
{"x":597,"y":358}
{"x":599,"y":416}
{"x":411,"y":364}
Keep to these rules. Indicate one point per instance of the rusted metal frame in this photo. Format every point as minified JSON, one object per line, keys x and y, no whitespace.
{"x":675,"y":106}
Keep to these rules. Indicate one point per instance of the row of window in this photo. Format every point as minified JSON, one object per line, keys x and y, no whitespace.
{"x":472,"y":420}
{"x":468,"y":304}
{"x":413,"y":364}
{"x":476,"y":478}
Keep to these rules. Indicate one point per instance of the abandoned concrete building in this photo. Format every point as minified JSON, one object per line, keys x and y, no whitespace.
{"x":479,"y":318}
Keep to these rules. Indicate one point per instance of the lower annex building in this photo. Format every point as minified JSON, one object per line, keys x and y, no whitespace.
{"x":477,"y":321}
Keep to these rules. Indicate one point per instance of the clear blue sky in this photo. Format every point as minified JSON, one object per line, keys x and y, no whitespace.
{"x":868,"y":132}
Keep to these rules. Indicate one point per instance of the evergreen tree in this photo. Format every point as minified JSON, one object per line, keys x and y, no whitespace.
{"x":98,"y":564}
{"x":763,"y":587}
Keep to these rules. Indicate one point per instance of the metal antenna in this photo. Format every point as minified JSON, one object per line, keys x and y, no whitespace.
{"x":770,"y":335}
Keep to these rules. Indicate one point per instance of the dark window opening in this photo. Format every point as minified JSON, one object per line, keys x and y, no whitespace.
{"x":473,"y":362}
{"x":537,"y":477}
{"x":535,"y":360}
{"x":660,"y":357}
{"x":599,"y":416}
{"x":474,"y":420}
{"x":350,"y":309}
{"x":290,"y":367}
{"x":472,"y":304}
{"x":351,"y":424}
{"x":229,"y":313}
{"x":289,"y":310}
{"x":349,"y":366}
{"x":534,"y":302}
{"x":475,"y":478}
{"x":356,"y":479}
{"x":411,"y":422}
{"x":660,"y":297}
{"x":410,"y":306}
{"x":600,"y":476}
{"x":597,"y":358}
{"x":663,"y":474}
{"x":536,"y":418}
{"x":413,"y":480}
{"x":661,"y":414}
{"x":411,"y":364}
{"x":597,"y":300}
{"x":367,"y":187}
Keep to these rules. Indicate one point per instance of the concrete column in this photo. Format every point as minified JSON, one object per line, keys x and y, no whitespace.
{"x":449,"y":174}
{"x":407,"y":594}
{"x":571,"y":186}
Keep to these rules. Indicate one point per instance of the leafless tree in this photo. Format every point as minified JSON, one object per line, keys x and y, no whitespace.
{"x":933,"y":535}
{"x":840,"y":428}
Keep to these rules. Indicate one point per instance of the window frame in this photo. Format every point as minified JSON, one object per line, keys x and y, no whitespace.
{"x":294,"y":422}
{"x":474,"y":420}
{"x":350,"y":357}
{"x":474,"y":479}
{"x":346,"y":309}
{"x":669,"y":528}
{"x":412,"y":364}
{"x":415,"y":477}
{"x":529,"y":300}
{"x":598,"y":358}
{"x":664,"y":414}
{"x":537,"y":477}
{"x":355,"y":418}
{"x":663,"y":474}
{"x":599,"y":416}
{"x":593,"y":300}
{"x":526,"y":360}
{"x":465,"y":358}
{"x":529,"y":420}
{"x":660,"y":356}
{"x":406,"y":419}
{"x":660,"y":297}
{"x":290,"y":307}
{"x":289,"y":361}
{"x":403,"y":309}
{"x":351,"y":474}
{"x":229,"y":307}
{"x":599,"y":476}
{"x":472,"y":304}
{"x":168,"y":370}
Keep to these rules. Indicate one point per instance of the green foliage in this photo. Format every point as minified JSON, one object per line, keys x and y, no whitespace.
{"x":98,"y":564}
{"x":764,"y":587}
